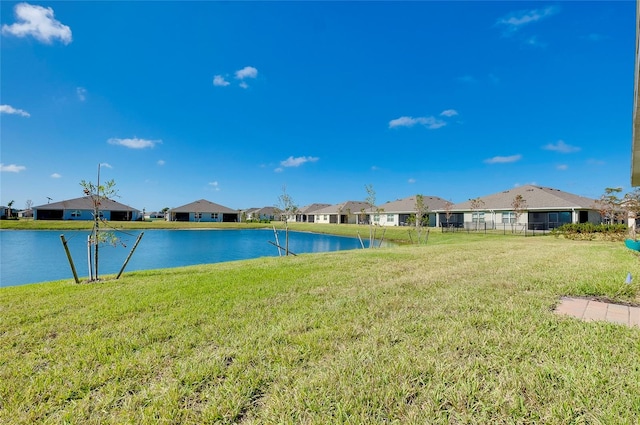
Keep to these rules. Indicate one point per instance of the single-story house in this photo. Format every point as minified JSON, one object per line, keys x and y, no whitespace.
{"x":203,"y":210}
{"x":83,"y":209}
{"x":264,"y":213}
{"x":154,"y":215}
{"x":5,"y":212}
{"x":399,"y":212}
{"x":25,"y":213}
{"x":305,"y":214}
{"x":351,"y":212}
{"x":541,"y":208}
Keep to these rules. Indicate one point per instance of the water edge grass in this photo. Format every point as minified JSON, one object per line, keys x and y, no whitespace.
{"x":457,"y":331}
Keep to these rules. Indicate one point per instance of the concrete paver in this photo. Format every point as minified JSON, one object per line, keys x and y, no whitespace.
{"x":590,"y":310}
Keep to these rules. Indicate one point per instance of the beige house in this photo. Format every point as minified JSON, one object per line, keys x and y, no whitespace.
{"x":543,"y":208}
{"x":351,"y":212}
{"x":305,"y":214}
{"x":399,"y":213}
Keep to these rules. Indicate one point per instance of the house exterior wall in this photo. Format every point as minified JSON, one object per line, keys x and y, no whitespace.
{"x":83,"y":215}
{"x":323,"y":218}
{"x":205,"y":217}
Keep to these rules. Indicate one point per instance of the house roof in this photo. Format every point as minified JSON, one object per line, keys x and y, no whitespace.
{"x":85,"y":203}
{"x":203,"y":206}
{"x":408,"y":205}
{"x":536,"y":197}
{"x":354,"y":207}
{"x":265,"y":211}
{"x":307,"y":209}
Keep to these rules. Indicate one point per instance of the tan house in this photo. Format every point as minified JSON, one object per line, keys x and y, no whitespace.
{"x":350,"y":212}
{"x":203,"y":210}
{"x":542,"y":208}
{"x":305,"y":214}
{"x":399,"y":213}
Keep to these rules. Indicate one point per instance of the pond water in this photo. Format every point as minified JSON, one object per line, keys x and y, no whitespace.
{"x":35,"y":256}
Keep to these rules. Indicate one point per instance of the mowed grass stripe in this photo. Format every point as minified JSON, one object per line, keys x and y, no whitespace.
{"x":458,"y":331}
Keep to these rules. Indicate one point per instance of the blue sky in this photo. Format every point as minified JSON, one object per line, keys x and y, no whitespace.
{"x":232,"y":101}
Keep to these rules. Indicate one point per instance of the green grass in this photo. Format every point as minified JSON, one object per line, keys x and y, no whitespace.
{"x":457,"y":331}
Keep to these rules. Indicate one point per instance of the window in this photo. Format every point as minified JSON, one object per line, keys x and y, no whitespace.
{"x":197,"y":215}
{"x":75,"y":213}
{"x":214,"y":216}
{"x":376,"y":218}
{"x":390,"y":218}
{"x":326,"y":217}
{"x":477,"y":217}
{"x":508,"y":217}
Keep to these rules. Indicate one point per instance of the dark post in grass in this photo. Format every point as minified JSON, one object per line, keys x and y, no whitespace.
{"x":73,"y":268}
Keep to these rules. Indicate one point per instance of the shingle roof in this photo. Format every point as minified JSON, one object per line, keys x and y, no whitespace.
{"x":307,"y":209}
{"x":203,"y":206}
{"x":85,"y":203}
{"x":408,"y":205}
{"x":354,"y":207}
{"x":536,"y":197}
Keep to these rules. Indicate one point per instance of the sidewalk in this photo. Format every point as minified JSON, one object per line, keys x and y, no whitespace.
{"x":589,"y":310}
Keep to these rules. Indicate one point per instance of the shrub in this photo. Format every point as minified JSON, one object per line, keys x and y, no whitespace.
{"x":590,"y":231}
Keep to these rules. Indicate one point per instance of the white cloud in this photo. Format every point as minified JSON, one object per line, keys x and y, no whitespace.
{"x":106,"y":165}
{"x":38,"y":22}
{"x":134,"y":143}
{"x":81,"y":92}
{"x":244,"y":85}
{"x":562,"y":167}
{"x":279,"y":170}
{"x":429,"y":122}
{"x":218,"y":80}
{"x":411,"y":181}
{"x":503,"y":159}
{"x":246,"y":72}
{"x":561,"y":147}
{"x":8,"y":109}
{"x":298,"y":161}
{"x":516,"y":20}
{"x":449,"y":113}
{"x":214,"y":185}
{"x":161,"y":162}
{"x":12,"y":168}
{"x":56,"y":176}
{"x":374,"y":168}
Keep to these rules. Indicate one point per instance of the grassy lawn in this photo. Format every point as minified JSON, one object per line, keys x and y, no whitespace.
{"x":460,"y":330}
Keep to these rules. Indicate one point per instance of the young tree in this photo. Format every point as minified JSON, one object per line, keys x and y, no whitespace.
{"x":610,"y":205}
{"x":448,"y":206}
{"x":476,"y":205}
{"x":519,"y":205}
{"x":286,"y":208}
{"x":97,"y":193}
{"x":371,"y":202}
{"x":28,"y":204}
{"x":422,"y":210}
